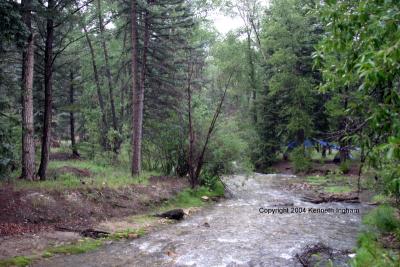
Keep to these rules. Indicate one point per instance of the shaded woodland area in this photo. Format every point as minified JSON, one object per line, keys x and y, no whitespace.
{"x":146,"y":88}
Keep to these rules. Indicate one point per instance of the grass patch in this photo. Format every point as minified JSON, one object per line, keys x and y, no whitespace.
{"x":332,"y":183}
{"x":78,"y":248}
{"x":338,"y":189}
{"x":380,"y":198}
{"x":317,"y":180}
{"x":142,"y":219}
{"x":128,"y":234}
{"x":102,"y":175}
{"x":192,"y":197}
{"x":16,"y":261}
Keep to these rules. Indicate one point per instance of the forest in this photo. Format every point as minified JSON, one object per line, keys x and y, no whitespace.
{"x":117,"y":110}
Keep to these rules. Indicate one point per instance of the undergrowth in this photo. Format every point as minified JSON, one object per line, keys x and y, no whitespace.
{"x":371,"y":251}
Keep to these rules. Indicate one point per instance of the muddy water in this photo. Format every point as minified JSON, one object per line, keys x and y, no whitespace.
{"x":234,"y":232}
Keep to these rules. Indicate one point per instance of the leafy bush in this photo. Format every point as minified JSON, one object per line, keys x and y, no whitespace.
{"x":370,"y":253}
{"x":228,"y":151}
{"x":383,"y":218}
{"x":301,"y":162}
{"x":344,"y":167}
{"x":212,"y":182}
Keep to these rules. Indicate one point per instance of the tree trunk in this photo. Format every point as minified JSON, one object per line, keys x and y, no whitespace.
{"x":104,"y":125}
{"x":48,"y":88}
{"x":108,"y":73}
{"x":192,"y":177}
{"x":138,"y":104}
{"x":28,"y":144}
{"x":136,"y":132}
{"x":75,"y":152}
{"x":252,"y":78}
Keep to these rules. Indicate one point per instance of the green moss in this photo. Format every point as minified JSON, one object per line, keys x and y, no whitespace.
{"x":16,"y":261}
{"x":78,"y":248}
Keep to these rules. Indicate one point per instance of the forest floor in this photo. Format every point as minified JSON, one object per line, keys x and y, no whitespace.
{"x":81,"y":195}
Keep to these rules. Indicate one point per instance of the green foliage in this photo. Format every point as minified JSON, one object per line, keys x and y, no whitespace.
{"x":344,"y":167}
{"x":301,"y":161}
{"x":12,"y":28}
{"x":288,"y":106}
{"x":359,"y":58}
{"x":383,"y":218}
{"x":228,"y":151}
{"x":9,"y":138}
{"x":371,"y":253}
{"x":212,"y":182}
{"x":192,"y":197}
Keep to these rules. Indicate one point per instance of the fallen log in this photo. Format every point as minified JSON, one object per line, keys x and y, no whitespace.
{"x":324,"y":198}
{"x":176,"y":214}
{"x":85,"y":233}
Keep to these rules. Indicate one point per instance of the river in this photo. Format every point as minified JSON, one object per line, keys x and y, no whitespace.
{"x":233,"y":232}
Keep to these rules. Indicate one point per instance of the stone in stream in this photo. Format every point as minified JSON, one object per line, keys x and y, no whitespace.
{"x":176,"y":214}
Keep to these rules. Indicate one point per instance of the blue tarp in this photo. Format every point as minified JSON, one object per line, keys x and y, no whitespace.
{"x":310,"y":143}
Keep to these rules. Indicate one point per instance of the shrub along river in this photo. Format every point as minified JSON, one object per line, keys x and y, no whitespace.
{"x":262,"y":224}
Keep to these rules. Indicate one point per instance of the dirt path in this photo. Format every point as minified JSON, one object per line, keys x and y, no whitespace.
{"x":235,"y":233}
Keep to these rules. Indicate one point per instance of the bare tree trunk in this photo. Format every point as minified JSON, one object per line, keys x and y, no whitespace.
{"x":252,"y":77}
{"x":218,"y":110}
{"x":108,"y":70}
{"x":75,"y":152}
{"x":48,"y":88}
{"x":104,"y":125}
{"x":28,"y":144}
{"x":138,"y":104}
{"x":191,"y":131}
{"x":136,"y":133}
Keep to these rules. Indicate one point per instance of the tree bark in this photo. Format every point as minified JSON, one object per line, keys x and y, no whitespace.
{"x":104,"y":125}
{"x":218,"y":110}
{"x":28,"y":143}
{"x":75,"y":152}
{"x":108,"y":70}
{"x":191,"y":131}
{"x":138,"y":104}
{"x":252,"y":78}
{"x":136,"y":132}
{"x":48,"y":88}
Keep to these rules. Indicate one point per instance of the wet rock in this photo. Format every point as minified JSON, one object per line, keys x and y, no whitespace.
{"x":205,"y":198}
{"x":176,"y":214}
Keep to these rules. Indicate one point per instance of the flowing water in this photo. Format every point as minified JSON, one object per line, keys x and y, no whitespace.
{"x":235,"y":233}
